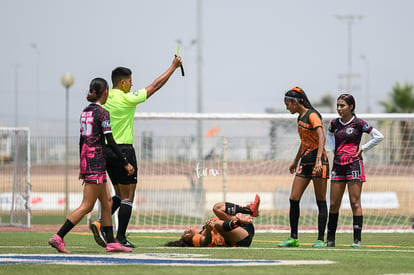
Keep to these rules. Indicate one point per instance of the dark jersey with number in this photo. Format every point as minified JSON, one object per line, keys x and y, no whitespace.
{"x":94,"y":123}
{"x":347,"y":139}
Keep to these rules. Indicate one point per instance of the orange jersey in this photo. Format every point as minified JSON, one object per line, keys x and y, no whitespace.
{"x":216,"y":238}
{"x":307,"y":126}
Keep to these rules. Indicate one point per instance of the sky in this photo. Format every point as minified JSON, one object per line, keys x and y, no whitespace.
{"x":251,"y":53}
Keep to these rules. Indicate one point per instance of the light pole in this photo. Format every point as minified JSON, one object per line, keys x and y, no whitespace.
{"x":200,"y":89}
{"x":367,"y":98}
{"x":349,"y":20}
{"x":16,"y":94}
{"x":37,"y":117}
{"x":67,"y":81}
{"x":35,"y":47}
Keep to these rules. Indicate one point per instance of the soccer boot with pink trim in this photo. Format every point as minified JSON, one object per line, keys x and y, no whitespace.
{"x":57,"y":242}
{"x":117,"y":247}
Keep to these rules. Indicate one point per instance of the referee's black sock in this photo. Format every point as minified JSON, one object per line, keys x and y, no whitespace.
{"x":116,"y":202}
{"x":233,"y":209}
{"x":124,"y":215}
{"x":294,"y":214}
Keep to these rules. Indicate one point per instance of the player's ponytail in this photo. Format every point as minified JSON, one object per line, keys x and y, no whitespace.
{"x":179,"y":243}
{"x":96,"y":89}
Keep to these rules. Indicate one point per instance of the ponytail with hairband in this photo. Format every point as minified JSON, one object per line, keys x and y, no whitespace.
{"x":295,"y":93}
{"x":297,"y":89}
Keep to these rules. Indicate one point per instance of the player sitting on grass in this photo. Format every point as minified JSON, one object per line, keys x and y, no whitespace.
{"x":231,"y":227}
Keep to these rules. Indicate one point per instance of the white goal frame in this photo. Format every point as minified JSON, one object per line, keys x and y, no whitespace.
{"x":15,"y":204}
{"x":224,"y":193}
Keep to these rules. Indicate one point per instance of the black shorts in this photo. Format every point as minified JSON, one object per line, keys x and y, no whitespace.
{"x":246,"y":242}
{"x":353,"y":171}
{"x":307,"y":163}
{"x":115,"y":168}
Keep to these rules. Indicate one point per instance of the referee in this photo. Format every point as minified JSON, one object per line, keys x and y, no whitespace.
{"x":121,"y":105}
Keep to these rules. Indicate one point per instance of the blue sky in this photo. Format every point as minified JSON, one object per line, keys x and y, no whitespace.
{"x":253,"y":51}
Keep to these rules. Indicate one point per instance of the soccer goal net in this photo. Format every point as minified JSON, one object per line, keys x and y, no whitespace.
{"x":188,"y":162}
{"x":15,"y":177}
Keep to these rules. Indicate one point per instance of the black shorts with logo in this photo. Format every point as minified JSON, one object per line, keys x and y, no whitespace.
{"x":307,"y":163}
{"x":116,"y":170}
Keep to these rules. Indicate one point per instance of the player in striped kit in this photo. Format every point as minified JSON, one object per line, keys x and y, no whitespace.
{"x":344,"y":137}
{"x":95,"y":128}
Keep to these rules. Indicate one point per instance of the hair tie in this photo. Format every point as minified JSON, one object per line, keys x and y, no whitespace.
{"x":297,"y":89}
{"x":93,"y":91}
{"x":294,"y":98}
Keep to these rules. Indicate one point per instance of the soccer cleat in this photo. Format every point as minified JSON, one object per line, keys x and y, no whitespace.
{"x":318,"y":244}
{"x":243,"y":219}
{"x":95,"y":227}
{"x":356,"y":244}
{"x":126,"y":243}
{"x":330,"y":243}
{"x":290,"y":242}
{"x":57,"y":242}
{"x":117,"y":247}
{"x":254,"y":206}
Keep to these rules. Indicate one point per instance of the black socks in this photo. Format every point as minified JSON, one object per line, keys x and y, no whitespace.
{"x":332,"y":225}
{"x":124,"y":216}
{"x":66,"y":227}
{"x":232,"y":209}
{"x":294,"y":214}
{"x":322,"y":217}
{"x":116,"y":202}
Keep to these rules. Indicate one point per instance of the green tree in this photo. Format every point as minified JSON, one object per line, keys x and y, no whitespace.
{"x":402,"y":101}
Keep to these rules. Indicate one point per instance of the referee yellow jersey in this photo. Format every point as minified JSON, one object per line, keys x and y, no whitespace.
{"x":121,"y":107}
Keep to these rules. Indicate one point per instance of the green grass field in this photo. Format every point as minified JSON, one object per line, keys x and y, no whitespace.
{"x":383,"y":253}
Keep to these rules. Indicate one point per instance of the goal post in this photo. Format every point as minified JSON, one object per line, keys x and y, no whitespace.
{"x":244,"y":154}
{"x":15,"y":186}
